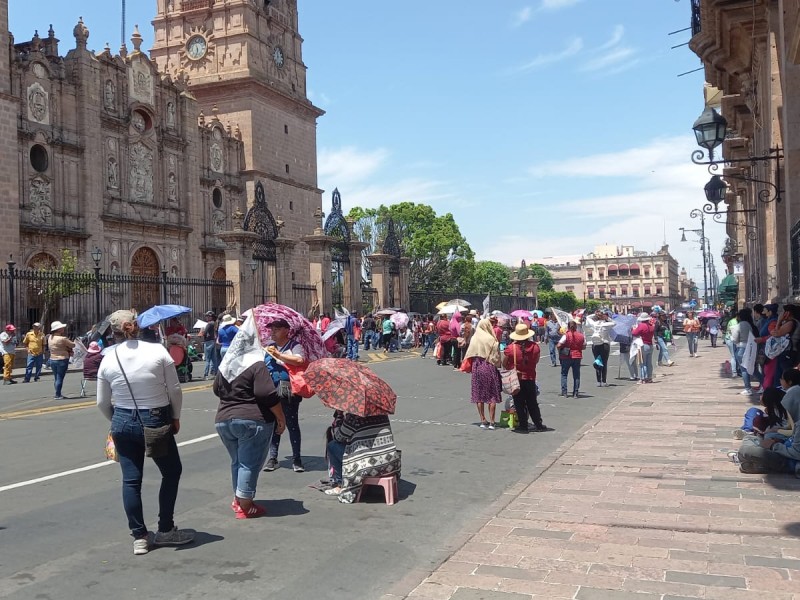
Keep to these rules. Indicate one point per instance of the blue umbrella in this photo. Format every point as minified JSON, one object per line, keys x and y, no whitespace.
{"x":623,"y":324}
{"x":162,"y":312}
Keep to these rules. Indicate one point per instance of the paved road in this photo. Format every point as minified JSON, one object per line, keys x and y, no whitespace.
{"x":66,"y":537}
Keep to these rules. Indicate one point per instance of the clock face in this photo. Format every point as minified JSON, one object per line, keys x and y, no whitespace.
{"x":196,"y":47}
{"x":277,"y":56}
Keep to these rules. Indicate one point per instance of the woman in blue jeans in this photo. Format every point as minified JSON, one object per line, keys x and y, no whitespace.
{"x":138,"y":388}
{"x":60,"y":348}
{"x":248,"y":414}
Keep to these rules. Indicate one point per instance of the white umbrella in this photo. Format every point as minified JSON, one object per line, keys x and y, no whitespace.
{"x":451,"y":308}
{"x":459,"y":302}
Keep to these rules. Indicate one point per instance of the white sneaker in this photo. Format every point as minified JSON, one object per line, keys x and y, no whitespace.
{"x":746,"y":393}
{"x":491,"y":426}
{"x":142,"y":545}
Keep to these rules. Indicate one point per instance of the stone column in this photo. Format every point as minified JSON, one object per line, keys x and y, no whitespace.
{"x":319,"y":258}
{"x":284,"y":248}
{"x":355,"y":276}
{"x":380,"y":277}
{"x":531,"y":286}
{"x":238,"y":254}
{"x":404,"y":292}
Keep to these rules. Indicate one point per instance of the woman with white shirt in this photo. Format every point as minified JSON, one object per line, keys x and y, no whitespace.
{"x":137,"y":387}
{"x":600,"y":326}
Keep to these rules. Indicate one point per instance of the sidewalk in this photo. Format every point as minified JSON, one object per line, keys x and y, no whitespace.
{"x":642,"y":504}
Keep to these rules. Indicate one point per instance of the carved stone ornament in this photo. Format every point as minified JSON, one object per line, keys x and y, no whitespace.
{"x":141,"y":173}
{"x":138,"y":122}
{"x":110,"y":96}
{"x":115,"y":248}
{"x":39,"y":70}
{"x":217,"y":162}
{"x":140,"y":82}
{"x":218,"y":221}
{"x":38,"y":104}
{"x":170,"y":115}
{"x":112,"y":174}
{"x":41,"y":207}
{"x":172,"y":187}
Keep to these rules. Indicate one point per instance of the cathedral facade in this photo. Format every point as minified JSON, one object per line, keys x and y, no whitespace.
{"x":153,"y":158}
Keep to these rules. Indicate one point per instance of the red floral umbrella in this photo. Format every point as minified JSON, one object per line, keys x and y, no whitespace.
{"x":348,"y":386}
{"x":300,"y":328}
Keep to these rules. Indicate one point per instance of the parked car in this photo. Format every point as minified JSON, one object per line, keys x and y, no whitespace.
{"x":677,"y":322}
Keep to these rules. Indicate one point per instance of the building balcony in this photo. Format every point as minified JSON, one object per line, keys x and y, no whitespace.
{"x":188,"y":5}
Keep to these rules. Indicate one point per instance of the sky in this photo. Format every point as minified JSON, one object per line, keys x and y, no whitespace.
{"x":545,"y":127}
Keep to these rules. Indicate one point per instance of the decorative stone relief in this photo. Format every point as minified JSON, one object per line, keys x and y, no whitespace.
{"x":217,"y":162}
{"x":38,"y":104}
{"x":110,"y":96}
{"x":218,"y":221}
{"x":112,"y":174}
{"x":115,"y":248}
{"x":172,"y":187}
{"x":174,"y":254}
{"x":140,"y":82}
{"x":41,"y":207}
{"x":39,"y":70}
{"x":141,"y":177}
{"x":138,"y":122}
{"x":112,"y":145}
{"x":170,"y":115}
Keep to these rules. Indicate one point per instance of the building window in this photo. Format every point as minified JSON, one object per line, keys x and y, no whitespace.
{"x":216,"y":198}
{"x":287,"y":168}
{"x":658,"y":270}
{"x":647,"y":271}
{"x":39,"y":159}
{"x":659,"y":290}
{"x":624,"y":290}
{"x":647,"y":290}
{"x":291,"y":205}
{"x":286,"y":129}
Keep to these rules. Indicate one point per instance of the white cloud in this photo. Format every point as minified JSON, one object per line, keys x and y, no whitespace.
{"x":349,"y":165}
{"x":522,"y":16}
{"x":612,"y":57}
{"x":573,"y":47}
{"x":616,"y":37}
{"x":557,"y":4}
{"x":663,"y":187}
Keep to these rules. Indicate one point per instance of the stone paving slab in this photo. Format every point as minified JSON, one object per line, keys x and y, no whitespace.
{"x":642,"y":504}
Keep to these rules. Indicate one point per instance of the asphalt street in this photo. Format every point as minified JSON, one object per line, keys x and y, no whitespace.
{"x":63,"y":531}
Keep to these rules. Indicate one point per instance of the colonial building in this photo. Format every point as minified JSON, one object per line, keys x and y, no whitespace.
{"x":630,"y":279}
{"x":750,"y":51}
{"x":197,"y":161}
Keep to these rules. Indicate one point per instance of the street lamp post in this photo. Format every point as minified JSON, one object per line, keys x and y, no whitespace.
{"x":97,"y":255}
{"x":703,"y":241}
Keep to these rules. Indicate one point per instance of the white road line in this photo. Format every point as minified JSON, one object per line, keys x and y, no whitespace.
{"x":105,"y":463}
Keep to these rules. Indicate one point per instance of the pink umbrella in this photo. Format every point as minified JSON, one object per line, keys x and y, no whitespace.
{"x":521,"y":314}
{"x":300,"y":328}
{"x":400,"y":319}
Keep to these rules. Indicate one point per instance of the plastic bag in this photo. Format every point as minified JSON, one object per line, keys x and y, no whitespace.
{"x":111,"y":449}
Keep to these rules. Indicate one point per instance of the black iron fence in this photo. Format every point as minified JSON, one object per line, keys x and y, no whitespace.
{"x":82,"y":299}
{"x":425,"y":301}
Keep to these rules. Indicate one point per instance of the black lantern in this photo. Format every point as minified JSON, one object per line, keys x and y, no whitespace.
{"x":96,"y":254}
{"x":709,"y":129}
{"x":715,"y":191}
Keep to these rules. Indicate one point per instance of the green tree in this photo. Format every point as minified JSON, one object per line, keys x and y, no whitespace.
{"x":563,"y":300}
{"x":544,"y":276}
{"x":62,"y":282}
{"x":484,"y":276}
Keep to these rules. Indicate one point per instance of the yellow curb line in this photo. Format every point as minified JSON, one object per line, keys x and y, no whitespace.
{"x":32,"y":412}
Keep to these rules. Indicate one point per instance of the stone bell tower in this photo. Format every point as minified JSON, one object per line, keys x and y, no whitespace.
{"x":9,"y":157}
{"x":243,"y":59}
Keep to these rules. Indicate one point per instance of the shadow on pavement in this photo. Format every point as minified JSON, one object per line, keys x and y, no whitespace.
{"x":201,"y":538}
{"x":285,"y":507}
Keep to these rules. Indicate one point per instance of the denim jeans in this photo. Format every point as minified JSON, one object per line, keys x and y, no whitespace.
{"x":691,"y":340}
{"x":646,"y":368}
{"x":247,"y":443}
{"x":34,"y":362}
{"x":732,"y":350}
{"x":575,"y":365}
{"x":59,"y":368}
{"x":663,"y":352}
{"x":335,"y":459}
{"x":128,"y":433}
{"x":291,"y":407}
{"x":210,"y":354}
{"x":352,"y":347}
{"x":551,"y":345}
{"x":430,"y":340}
{"x":745,"y":375}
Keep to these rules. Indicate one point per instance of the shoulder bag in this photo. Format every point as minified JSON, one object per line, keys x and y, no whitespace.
{"x":510,"y":379}
{"x":156,"y":439}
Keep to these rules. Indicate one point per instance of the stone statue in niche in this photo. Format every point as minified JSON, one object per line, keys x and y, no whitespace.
{"x":109,"y":96}
{"x":41,"y":209}
{"x":216,"y":158}
{"x":218,"y":221}
{"x":172,"y":187}
{"x":141,"y":173}
{"x":38,"y":109}
{"x":112,"y":174}
{"x":170,"y":115}
{"x":138,"y":122}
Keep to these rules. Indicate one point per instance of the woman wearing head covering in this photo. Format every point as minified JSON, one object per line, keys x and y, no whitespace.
{"x":769,"y":321}
{"x":227,"y":331}
{"x":60,"y":350}
{"x":458,"y":341}
{"x":523,"y":355}
{"x":249,"y":411}
{"x":91,"y":363}
{"x":138,"y":387}
{"x":484,"y":350}
{"x":644,"y":331}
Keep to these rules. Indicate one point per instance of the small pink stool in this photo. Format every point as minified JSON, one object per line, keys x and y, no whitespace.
{"x":388,"y":483}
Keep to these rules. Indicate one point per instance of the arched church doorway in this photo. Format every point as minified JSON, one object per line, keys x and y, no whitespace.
{"x":145,"y":270}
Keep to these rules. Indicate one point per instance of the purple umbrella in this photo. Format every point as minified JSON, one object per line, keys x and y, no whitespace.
{"x":300,"y":328}
{"x":521,"y":314}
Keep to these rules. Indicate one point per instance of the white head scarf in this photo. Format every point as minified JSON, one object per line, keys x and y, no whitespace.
{"x":245,"y":351}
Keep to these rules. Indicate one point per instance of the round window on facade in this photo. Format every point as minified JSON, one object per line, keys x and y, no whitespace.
{"x":216,"y":198}
{"x":39,"y":159}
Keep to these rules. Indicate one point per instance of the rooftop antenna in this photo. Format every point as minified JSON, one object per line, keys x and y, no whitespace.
{"x":123,"y":28}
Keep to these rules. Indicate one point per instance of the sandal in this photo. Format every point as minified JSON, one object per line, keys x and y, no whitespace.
{"x":334,"y":491}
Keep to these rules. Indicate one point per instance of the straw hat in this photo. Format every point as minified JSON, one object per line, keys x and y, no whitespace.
{"x":521,"y":332}
{"x":57,"y":325}
{"x":227,"y":320}
{"x":643,"y":317}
